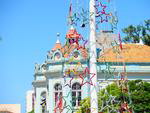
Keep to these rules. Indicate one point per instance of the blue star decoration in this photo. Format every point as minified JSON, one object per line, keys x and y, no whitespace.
{"x":72,"y":18}
{"x":66,"y":105}
{"x":108,"y":71}
{"x":84,"y":17}
{"x":113,"y":20}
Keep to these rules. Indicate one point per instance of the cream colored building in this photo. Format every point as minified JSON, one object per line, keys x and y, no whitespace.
{"x":10,"y":108}
{"x":29,"y":101}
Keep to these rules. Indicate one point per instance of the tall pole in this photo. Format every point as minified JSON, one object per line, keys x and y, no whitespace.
{"x":93,"y":69}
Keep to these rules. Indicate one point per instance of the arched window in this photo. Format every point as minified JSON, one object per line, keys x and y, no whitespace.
{"x":43,"y":102}
{"x":76,"y":94}
{"x":58,"y":98}
{"x":76,"y":54}
{"x":57,"y":56}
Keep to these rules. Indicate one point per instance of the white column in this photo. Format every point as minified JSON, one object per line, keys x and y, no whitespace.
{"x":51,"y":96}
{"x":92,"y":39}
{"x":37,"y":102}
{"x":38,"y":107}
{"x":47,"y":99}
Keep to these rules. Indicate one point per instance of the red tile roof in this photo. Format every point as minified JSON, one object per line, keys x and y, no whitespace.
{"x":57,"y":46}
{"x":129,"y":53}
{"x":67,"y":49}
{"x":73,"y":34}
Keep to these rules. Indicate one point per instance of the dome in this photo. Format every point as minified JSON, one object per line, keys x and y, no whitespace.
{"x":57,"y":45}
{"x":73,"y":34}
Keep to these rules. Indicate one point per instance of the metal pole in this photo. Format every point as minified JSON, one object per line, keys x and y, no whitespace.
{"x":93,"y":69}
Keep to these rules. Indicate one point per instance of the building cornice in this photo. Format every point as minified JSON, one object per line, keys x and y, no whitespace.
{"x":39,"y":83}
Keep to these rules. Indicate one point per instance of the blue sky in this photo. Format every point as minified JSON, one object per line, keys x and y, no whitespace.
{"x":28,"y":30}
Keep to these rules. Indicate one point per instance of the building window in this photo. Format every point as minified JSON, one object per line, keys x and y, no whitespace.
{"x":76,"y":54}
{"x":57,"y":56}
{"x":43,"y":102}
{"x":58,"y":98}
{"x":76,"y":94}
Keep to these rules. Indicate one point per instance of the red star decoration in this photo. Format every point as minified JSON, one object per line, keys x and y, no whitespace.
{"x":59,"y":106}
{"x":86,"y":73}
{"x":104,"y":19}
{"x":102,"y":12}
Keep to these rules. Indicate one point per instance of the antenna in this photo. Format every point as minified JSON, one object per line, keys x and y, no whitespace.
{"x":58,"y":35}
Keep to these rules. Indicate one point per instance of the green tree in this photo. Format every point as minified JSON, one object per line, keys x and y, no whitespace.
{"x":146,"y":32}
{"x":140,"y":95}
{"x":134,"y":33}
{"x":111,"y":97}
{"x":107,"y":97}
{"x":31,"y":111}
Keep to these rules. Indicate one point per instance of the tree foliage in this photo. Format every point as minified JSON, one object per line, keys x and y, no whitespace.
{"x":140,"y":95}
{"x":111,"y":98}
{"x":31,"y":111}
{"x":134,"y":33}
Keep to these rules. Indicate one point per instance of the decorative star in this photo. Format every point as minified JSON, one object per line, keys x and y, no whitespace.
{"x":72,"y":18}
{"x":101,"y":12}
{"x":120,"y":41}
{"x":75,"y":18}
{"x":84,"y":42}
{"x":59,"y":105}
{"x":104,"y":18}
{"x":108,"y":103}
{"x":84,"y":17}
{"x":101,"y":15}
{"x":115,"y":47}
{"x":69,"y":84}
{"x":84,"y":74}
{"x":113,"y":20}
{"x":108,"y":71}
{"x":66,"y":105}
{"x":93,"y":101}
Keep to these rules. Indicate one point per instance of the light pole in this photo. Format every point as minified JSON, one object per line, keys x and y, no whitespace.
{"x":93,"y":69}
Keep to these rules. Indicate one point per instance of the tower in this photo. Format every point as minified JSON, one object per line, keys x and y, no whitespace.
{"x":72,"y":36}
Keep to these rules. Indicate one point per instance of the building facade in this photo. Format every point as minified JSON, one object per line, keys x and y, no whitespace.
{"x":64,"y":78}
{"x":30,"y":99}
{"x":10,"y":108}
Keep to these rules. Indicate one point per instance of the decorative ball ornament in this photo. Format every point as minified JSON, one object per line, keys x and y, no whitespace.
{"x":58,"y":34}
{"x":83,"y":25}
